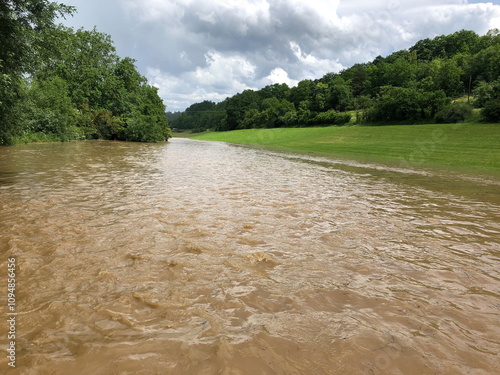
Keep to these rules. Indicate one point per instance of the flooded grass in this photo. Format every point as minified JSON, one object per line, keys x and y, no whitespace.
{"x":466,"y":145}
{"x":186,"y":134}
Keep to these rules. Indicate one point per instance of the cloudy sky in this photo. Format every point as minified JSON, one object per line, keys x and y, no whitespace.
{"x":196,"y":50}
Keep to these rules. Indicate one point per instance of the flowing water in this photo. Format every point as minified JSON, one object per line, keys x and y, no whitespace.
{"x":206,"y":258}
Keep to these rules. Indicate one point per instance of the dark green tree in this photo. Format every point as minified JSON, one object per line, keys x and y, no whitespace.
{"x":491,"y":110}
{"x":48,"y":109}
{"x":22,"y":24}
{"x":406,"y":105}
{"x":236,"y":107}
{"x":278,"y":91}
{"x":148,"y":121}
{"x":302,"y":92}
{"x":340,"y":94}
{"x":87,"y":60}
{"x":114,"y":101}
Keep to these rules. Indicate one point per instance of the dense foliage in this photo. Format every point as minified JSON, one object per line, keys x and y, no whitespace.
{"x":410,"y":86}
{"x":60,"y":84}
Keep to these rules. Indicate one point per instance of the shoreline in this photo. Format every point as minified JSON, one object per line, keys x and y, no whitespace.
{"x":468,"y":147}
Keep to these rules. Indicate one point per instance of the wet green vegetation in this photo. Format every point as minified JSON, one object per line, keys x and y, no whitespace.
{"x":467,"y":145}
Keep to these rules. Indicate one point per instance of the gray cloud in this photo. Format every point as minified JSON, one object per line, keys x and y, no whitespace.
{"x":197,"y":50}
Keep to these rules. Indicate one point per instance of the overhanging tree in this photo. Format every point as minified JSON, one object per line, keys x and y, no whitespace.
{"x":22,"y":22}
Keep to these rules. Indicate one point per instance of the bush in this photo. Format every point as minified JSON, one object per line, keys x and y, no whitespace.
{"x":108,"y":126}
{"x":331,"y":118}
{"x":290,"y":119}
{"x":406,"y":105}
{"x":49,"y":108}
{"x":145,"y":129}
{"x":455,"y":112}
{"x":486,"y":91}
{"x":491,"y":110}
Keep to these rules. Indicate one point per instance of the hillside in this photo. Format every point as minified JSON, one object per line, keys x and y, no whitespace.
{"x":409,"y":86}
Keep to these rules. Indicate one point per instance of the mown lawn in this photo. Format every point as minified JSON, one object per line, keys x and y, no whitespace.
{"x":468,"y":145}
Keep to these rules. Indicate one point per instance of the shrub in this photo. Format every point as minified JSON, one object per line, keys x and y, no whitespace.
{"x":145,"y":129}
{"x":331,"y":118}
{"x":455,"y":112}
{"x":486,"y":91}
{"x":491,"y":110}
{"x":108,"y":126}
{"x":406,"y":105}
{"x":49,"y":107}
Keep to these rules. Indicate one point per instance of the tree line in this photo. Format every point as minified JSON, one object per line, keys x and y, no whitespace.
{"x":417,"y":85}
{"x":57,"y":83}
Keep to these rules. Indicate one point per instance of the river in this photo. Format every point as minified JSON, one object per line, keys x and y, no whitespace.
{"x":193,"y":257}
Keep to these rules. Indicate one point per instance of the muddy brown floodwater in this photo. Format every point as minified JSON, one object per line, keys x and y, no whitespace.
{"x":206,"y":258}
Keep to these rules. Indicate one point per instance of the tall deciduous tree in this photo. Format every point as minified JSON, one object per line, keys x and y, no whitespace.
{"x":113,"y":99}
{"x":22,"y":22}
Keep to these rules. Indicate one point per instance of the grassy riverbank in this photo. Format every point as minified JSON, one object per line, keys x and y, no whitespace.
{"x":468,"y":145}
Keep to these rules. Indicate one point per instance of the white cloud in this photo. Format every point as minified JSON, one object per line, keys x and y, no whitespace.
{"x":224,"y":72}
{"x":222,"y":76}
{"x":156,"y":10}
{"x":495,"y":23}
{"x":278,"y":75}
{"x":314,"y":67}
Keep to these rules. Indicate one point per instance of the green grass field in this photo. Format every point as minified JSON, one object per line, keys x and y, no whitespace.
{"x":467,"y":145}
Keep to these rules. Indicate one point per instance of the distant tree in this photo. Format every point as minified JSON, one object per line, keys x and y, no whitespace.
{"x":271,"y":116}
{"x":236,"y":107}
{"x":275,"y":110}
{"x":200,"y":116}
{"x":425,"y":49}
{"x":320,"y":99}
{"x":488,"y":96}
{"x":407,"y":86}
{"x":290,"y":119}
{"x":277,"y":90}
{"x":485,"y":65}
{"x":447,"y":77}
{"x":406,"y":105}
{"x":171,"y":116}
{"x":402,"y":72}
{"x":302,"y":92}
{"x":358,"y":77}
{"x":340,"y":94}
{"x":447,"y":46}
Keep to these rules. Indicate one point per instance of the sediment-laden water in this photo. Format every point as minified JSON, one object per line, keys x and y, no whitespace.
{"x":205,"y":258}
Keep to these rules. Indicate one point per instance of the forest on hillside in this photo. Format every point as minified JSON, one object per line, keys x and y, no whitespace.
{"x":59,"y":84}
{"x":418,"y":85}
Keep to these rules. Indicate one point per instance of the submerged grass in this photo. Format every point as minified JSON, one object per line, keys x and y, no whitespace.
{"x":186,"y":134}
{"x":467,"y":145}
